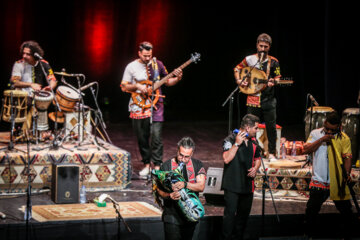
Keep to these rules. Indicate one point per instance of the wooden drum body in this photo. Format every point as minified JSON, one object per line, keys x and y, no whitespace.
{"x":19,"y":102}
{"x":67,"y":98}
{"x":350,"y":125}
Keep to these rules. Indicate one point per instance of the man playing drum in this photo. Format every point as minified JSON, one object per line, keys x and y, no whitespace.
{"x":28,"y":74}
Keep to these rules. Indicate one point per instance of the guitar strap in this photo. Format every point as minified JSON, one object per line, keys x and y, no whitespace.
{"x":155,"y":67}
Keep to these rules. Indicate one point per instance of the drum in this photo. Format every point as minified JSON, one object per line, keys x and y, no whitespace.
{"x":72,"y":119}
{"x":19,"y":103}
{"x":67,"y":98}
{"x":350,"y":125}
{"x":318,"y":118}
{"x":42,"y":101}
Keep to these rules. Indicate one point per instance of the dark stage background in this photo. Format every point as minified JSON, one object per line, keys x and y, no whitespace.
{"x":315,"y":42}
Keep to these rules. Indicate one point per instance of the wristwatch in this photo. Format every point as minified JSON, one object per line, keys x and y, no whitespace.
{"x":237,"y":145}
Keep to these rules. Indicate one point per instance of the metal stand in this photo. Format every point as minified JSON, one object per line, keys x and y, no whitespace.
{"x":55,"y":143}
{"x":266,"y":179}
{"x":231,"y":99}
{"x":28,"y":210}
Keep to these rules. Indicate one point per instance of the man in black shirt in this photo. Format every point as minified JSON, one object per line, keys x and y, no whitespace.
{"x":242,"y":160}
{"x":176,"y":226}
{"x":264,"y":102}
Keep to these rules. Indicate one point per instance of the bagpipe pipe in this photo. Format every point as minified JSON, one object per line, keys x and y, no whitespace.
{"x":189,"y":203}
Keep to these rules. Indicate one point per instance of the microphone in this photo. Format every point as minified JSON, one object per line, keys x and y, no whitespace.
{"x":38,"y":56}
{"x":87,"y":86}
{"x":236,"y":131}
{"x":313,"y":100}
{"x":2,"y":215}
{"x":261,"y":57}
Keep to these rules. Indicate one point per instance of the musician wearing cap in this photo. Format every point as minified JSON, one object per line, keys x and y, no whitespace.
{"x":27,"y":73}
{"x":263,"y":103}
{"x":241,"y":162}
{"x":331,"y":152}
{"x":139,"y":75}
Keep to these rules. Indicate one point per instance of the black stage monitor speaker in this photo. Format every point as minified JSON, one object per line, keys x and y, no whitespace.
{"x":212,"y":192}
{"x":65,"y":183}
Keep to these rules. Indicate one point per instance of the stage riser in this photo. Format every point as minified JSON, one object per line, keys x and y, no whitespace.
{"x":99,"y":170}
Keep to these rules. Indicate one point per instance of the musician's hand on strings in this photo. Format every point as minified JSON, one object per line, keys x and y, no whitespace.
{"x":271,"y":82}
{"x":35,"y":86}
{"x":142,"y":88}
{"x":243,"y":83}
{"x":175,"y":195}
{"x":178,"y":73}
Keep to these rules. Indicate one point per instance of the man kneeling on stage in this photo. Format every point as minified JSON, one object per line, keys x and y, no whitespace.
{"x":241,"y":162}
{"x":331,"y":148}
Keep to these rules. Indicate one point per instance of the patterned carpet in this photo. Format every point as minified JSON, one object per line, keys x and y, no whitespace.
{"x":66,"y":212}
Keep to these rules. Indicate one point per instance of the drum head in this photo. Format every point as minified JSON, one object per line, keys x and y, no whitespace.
{"x":352,"y":111}
{"x":321,"y":109}
{"x":42,"y":94}
{"x":68,"y":93}
{"x":16,"y":93}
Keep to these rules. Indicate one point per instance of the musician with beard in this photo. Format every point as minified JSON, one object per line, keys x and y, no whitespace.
{"x":146,"y":67}
{"x":262,"y":104}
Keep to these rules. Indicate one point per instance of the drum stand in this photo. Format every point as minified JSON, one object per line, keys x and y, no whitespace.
{"x":55,"y":143}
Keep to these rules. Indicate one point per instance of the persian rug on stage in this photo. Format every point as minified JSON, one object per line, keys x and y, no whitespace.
{"x":290,"y":180}
{"x":67,"y":212}
{"x":102,"y":169}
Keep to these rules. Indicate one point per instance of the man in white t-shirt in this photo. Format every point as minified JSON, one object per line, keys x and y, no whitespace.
{"x":147,"y":68}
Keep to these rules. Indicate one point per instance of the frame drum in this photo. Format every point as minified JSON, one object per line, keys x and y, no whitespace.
{"x":19,"y":103}
{"x":67,"y":98}
{"x":350,"y":126}
{"x":318,"y":118}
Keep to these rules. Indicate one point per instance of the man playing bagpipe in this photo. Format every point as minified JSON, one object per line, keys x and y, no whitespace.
{"x":177,"y":185}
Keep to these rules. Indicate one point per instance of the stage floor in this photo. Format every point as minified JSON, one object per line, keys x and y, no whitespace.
{"x":208,"y":137}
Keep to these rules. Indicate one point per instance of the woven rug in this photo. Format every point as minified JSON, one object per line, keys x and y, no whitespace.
{"x":67,"y":212}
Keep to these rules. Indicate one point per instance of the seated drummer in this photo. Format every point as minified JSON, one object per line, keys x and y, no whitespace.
{"x":27,"y":73}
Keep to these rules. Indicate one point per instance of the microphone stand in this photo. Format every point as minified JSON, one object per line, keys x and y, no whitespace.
{"x":55,"y":145}
{"x":28,"y":210}
{"x":99,"y":117}
{"x":119,"y":217}
{"x":231,"y":98}
{"x":265,"y":179}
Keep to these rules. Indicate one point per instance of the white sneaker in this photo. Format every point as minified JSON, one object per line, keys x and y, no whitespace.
{"x":145,"y":171}
{"x":272,"y":158}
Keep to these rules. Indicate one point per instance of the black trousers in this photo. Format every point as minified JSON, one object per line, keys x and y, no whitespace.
{"x":317,"y":198}
{"x":179,"y":232}
{"x":151,"y":150}
{"x":268,"y":112}
{"x":236,"y":214}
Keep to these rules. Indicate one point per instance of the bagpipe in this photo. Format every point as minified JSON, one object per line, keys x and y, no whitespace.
{"x":189,"y":203}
